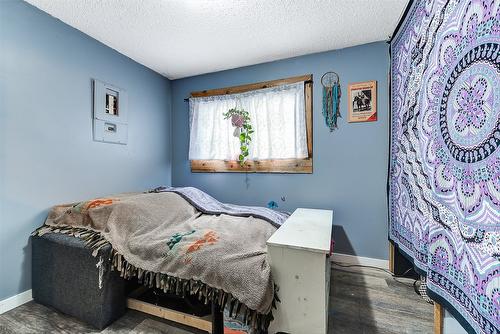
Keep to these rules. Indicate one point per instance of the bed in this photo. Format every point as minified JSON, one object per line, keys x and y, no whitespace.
{"x":184,"y":242}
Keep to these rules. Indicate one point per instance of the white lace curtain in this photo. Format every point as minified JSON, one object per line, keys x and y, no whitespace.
{"x":277,"y":116}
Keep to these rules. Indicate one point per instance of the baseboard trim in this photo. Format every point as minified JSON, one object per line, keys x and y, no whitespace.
{"x":15,"y":301}
{"x":360,"y":260}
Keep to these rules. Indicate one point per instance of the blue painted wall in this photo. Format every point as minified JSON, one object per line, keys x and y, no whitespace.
{"x":350,"y":165}
{"x":47,"y":155}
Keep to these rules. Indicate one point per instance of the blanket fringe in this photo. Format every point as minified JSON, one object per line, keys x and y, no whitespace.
{"x":167,"y":283}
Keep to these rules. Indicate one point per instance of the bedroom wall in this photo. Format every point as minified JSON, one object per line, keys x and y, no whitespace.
{"x":350,"y":164}
{"x":47,"y":155}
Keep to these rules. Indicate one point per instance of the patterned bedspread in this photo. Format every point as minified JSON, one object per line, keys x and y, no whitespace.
{"x":445,"y":156}
{"x":182,"y":241}
{"x":209,"y":205}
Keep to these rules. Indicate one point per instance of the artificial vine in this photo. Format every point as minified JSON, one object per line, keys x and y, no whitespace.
{"x":240,"y":119}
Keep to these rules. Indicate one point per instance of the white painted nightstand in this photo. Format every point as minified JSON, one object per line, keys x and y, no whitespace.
{"x":299,"y":255}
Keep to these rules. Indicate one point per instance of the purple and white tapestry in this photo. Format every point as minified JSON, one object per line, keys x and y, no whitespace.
{"x":445,"y":155}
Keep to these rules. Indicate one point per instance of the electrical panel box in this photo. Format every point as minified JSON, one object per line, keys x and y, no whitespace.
{"x":110,"y":113}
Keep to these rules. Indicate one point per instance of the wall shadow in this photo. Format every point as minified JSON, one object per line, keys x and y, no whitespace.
{"x":342,"y":243}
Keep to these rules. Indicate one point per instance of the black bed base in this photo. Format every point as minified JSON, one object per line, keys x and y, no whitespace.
{"x":66,"y":277}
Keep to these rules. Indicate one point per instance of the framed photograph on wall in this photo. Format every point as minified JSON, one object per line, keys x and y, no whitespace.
{"x":362,"y":99}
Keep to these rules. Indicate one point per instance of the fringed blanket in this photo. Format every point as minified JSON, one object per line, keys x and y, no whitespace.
{"x":167,"y":243}
{"x":445,"y":153}
{"x":209,"y":205}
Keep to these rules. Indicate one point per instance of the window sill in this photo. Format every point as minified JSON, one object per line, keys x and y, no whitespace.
{"x":286,"y":166}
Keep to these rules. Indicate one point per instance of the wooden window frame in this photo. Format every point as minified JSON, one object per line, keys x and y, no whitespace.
{"x":294,"y":166}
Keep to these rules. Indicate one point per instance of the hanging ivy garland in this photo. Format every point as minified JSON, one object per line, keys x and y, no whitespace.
{"x":240,"y":119}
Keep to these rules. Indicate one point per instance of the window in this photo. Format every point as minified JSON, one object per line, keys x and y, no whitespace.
{"x":280,"y":113}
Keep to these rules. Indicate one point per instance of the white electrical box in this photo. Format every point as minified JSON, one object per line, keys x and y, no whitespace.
{"x":110,"y":113}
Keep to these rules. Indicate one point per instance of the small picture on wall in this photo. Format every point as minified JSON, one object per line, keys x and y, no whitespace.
{"x":362,"y":101}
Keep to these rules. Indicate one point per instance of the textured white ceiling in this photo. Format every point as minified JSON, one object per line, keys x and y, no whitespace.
{"x":180,"y":38}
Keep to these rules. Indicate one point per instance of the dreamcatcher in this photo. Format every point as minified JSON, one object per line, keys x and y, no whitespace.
{"x":331,"y":99}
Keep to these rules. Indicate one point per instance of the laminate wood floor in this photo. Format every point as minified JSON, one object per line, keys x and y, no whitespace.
{"x":362,"y":301}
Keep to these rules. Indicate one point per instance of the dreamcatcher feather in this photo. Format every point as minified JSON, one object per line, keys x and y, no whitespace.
{"x":331,"y":99}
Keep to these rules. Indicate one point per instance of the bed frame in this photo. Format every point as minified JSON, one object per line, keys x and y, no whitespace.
{"x":213,"y":323}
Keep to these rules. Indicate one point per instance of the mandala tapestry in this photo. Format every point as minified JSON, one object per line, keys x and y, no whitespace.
{"x":445,"y":155}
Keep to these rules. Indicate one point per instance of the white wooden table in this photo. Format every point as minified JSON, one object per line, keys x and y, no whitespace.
{"x":298,"y":252}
